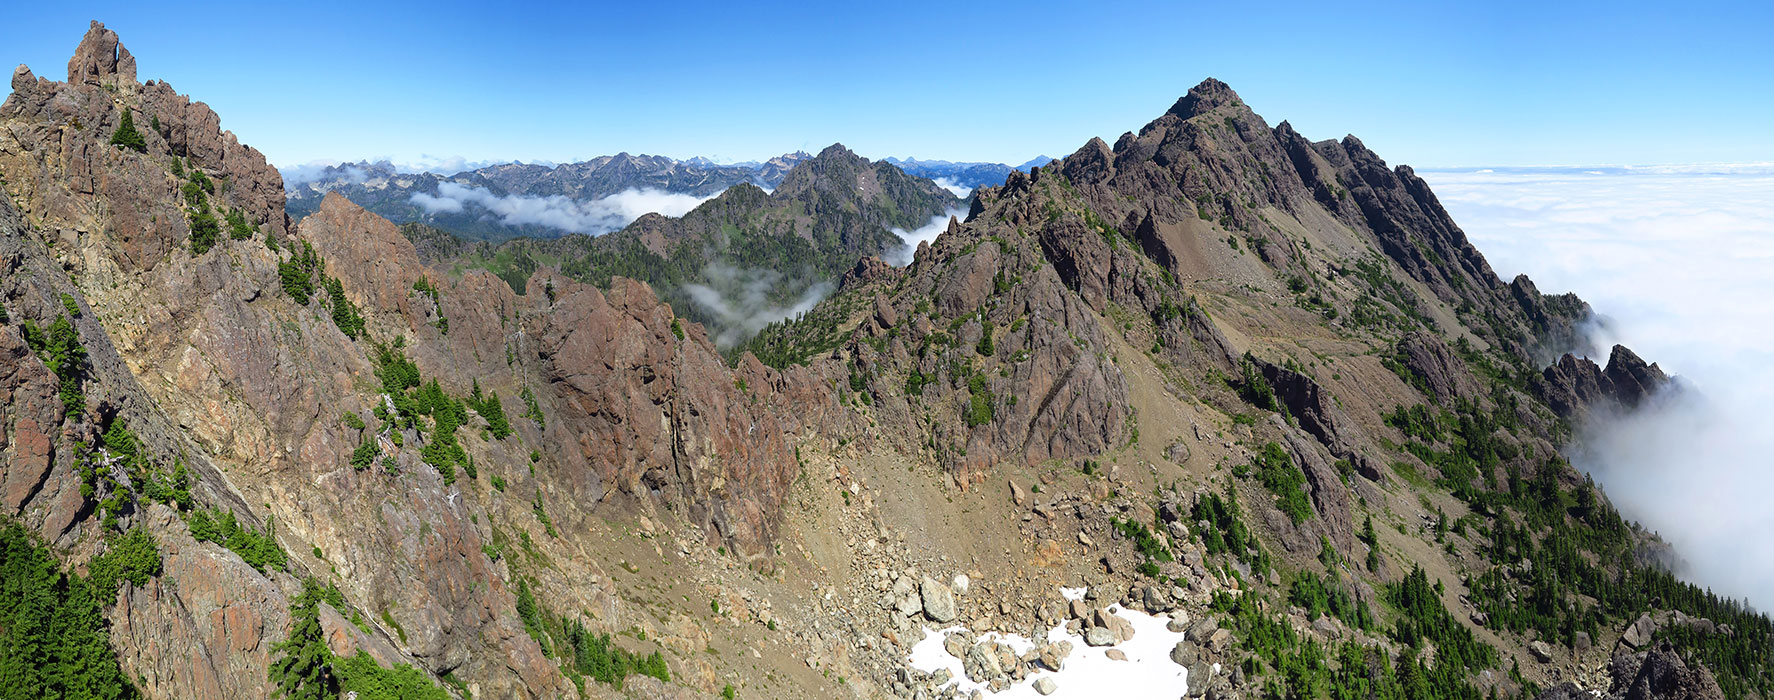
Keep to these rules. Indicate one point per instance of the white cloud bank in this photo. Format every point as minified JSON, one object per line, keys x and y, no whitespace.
{"x":948,"y":183}
{"x":901,"y":256}
{"x":1681,"y":260}
{"x":595,"y":217}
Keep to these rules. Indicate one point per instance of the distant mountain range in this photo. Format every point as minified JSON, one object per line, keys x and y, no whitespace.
{"x":964,"y":176}
{"x":739,"y":260}
{"x":511,"y":200}
{"x":550,"y":201}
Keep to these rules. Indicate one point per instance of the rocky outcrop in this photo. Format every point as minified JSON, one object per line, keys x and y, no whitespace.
{"x":649,"y":412}
{"x":867,"y":269}
{"x":57,"y":156}
{"x":101,"y":60}
{"x":1657,"y":674}
{"x":1665,"y":676}
{"x":1575,"y":385}
{"x":1070,"y":399}
{"x":30,"y":420}
{"x":1319,"y":415}
{"x":1444,"y":373}
{"x":1632,"y":379}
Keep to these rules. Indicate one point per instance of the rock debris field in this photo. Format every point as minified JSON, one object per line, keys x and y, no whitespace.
{"x":1134,"y":661}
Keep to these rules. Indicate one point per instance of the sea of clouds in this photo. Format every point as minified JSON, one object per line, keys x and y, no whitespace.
{"x":594,"y":217}
{"x":1680,"y":262}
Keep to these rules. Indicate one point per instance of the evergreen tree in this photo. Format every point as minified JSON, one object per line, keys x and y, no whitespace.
{"x":305,"y":670}
{"x":204,"y":231}
{"x":126,"y":135}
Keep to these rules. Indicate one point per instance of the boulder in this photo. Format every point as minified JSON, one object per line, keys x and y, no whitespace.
{"x":957,"y":644}
{"x":939,"y":601}
{"x":1219,"y":641}
{"x":982,"y":664}
{"x":1185,"y":653}
{"x":905,"y":596}
{"x":1638,"y":634}
{"x":1115,"y":624}
{"x":1203,"y":629}
{"x":1053,"y":655}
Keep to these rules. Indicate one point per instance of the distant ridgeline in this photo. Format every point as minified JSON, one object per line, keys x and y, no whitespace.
{"x":740,"y":260}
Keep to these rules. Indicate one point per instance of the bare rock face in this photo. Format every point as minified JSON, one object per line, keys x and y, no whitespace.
{"x":210,"y":633}
{"x":1331,"y":500}
{"x":1319,"y":415}
{"x":1426,"y":356}
{"x":654,"y":412}
{"x":1633,"y":380}
{"x":30,"y":419}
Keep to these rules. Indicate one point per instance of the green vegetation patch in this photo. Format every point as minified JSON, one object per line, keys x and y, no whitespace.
{"x":259,"y":550}
{"x":54,"y":641}
{"x":1275,"y":469}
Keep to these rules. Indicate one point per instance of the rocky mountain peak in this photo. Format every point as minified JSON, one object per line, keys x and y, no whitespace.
{"x":1209,"y":95}
{"x":838,"y":150}
{"x":101,"y":59}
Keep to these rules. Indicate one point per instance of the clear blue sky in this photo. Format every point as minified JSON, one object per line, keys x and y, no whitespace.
{"x":1495,"y":83}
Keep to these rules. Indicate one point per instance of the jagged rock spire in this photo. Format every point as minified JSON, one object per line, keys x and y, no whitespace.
{"x":101,"y":59}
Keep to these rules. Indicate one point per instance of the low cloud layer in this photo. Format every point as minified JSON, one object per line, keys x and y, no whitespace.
{"x":595,"y":217}
{"x":948,"y":183}
{"x":739,"y":304}
{"x":902,"y":255}
{"x":1678,"y":258}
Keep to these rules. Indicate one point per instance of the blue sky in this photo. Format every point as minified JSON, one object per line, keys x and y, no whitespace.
{"x":1495,"y":83}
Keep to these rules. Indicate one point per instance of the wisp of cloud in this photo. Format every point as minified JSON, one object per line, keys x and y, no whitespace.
{"x":1678,"y":259}
{"x":901,"y":256}
{"x":739,"y":301}
{"x":595,"y":217}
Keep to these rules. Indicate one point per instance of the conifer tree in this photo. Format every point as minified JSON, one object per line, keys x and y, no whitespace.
{"x":126,"y":135}
{"x":305,"y":670}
